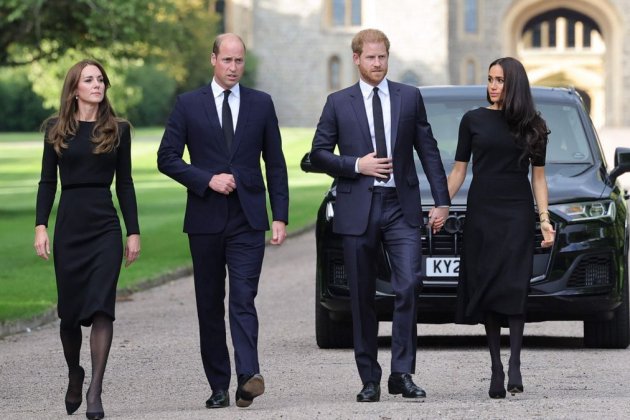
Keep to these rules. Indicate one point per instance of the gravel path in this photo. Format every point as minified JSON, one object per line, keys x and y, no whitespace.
{"x":155,"y":369}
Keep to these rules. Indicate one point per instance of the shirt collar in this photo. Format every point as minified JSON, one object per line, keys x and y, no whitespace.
{"x":367,"y":89}
{"x":218,"y":90}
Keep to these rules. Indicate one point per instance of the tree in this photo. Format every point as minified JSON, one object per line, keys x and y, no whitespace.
{"x":32,"y":30}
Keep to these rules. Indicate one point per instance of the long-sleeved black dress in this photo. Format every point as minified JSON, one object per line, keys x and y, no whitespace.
{"x":87,"y":244}
{"x":498,"y":250}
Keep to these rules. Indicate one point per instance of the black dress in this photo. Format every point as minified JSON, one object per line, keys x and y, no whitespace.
{"x":497,"y":256}
{"x":87,"y":245}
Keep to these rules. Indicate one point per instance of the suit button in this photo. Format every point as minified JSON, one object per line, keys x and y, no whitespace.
{"x":370,"y":188}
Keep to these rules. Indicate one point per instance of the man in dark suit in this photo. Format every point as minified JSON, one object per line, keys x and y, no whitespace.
{"x":226,"y":127}
{"x":376,"y":124}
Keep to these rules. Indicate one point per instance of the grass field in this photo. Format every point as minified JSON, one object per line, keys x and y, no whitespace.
{"x":27,"y":283}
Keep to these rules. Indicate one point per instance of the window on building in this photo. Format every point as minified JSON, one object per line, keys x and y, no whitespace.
{"x":334,"y":73}
{"x":471,"y":16}
{"x":345,"y":12}
{"x":560,"y":28}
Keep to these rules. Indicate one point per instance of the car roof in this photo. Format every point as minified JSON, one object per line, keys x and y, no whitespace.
{"x":551,"y":94}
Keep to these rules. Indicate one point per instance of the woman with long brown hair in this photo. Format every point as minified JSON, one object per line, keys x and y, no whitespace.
{"x":505,"y":139}
{"x":88,"y":145}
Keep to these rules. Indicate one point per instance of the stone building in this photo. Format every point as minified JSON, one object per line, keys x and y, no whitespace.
{"x":303,"y":46}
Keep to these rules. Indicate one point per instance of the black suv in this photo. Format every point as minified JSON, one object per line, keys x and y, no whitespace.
{"x":583,"y":277}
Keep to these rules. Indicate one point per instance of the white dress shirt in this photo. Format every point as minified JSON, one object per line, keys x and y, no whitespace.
{"x":367,"y":91}
{"x":234,"y":100}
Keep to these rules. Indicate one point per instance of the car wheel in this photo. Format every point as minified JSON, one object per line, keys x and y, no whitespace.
{"x":329,"y":333}
{"x":615,"y":333}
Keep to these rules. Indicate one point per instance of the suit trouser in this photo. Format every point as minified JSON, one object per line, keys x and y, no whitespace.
{"x":242,"y":249}
{"x":402,"y":241}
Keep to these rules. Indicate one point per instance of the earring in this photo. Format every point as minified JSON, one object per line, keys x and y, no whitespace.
{"x":76,"y":98}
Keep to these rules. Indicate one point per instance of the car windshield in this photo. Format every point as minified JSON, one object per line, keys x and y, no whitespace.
{"x":567,"y":140}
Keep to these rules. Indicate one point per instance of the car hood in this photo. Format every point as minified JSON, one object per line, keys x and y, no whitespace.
{"x":566,"y":183}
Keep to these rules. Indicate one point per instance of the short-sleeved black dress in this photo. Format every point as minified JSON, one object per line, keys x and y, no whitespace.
{"x":497,"y":256}
{"x":87,"y":244}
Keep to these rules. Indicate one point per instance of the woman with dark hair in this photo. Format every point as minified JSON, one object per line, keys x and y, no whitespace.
{"x":504,"y":139}
{"x":88,"y":144}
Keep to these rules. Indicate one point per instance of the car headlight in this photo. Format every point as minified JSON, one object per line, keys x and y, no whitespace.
{"x":591,"y":210}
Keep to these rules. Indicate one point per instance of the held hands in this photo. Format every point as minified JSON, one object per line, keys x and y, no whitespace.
{"x":42,"y":244}
{"x":371,"y":165}
{"x":132,"y":249}
{"x":279,"y":232}
{"x":223,"y":183}
{"x":437,"y":217}
{"x":548,"y":233}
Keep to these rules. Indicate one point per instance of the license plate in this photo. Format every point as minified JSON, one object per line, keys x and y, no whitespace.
{"x":441,"y":267}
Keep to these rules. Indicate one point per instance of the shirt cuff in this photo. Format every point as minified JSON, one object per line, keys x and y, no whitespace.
{"x":356,"y":166}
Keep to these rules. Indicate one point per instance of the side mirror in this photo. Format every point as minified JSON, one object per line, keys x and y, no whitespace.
{"x":307,"y":166}
{"x":622,"y":163}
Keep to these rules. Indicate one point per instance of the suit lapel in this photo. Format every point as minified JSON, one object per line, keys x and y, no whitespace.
{"x":395,"y":101}
{"x":210,"y":109}
{"x":241,"y":120}
{"x":358,"y":104}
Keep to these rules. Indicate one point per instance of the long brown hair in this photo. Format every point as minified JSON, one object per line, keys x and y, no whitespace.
{"x":63,"y":125}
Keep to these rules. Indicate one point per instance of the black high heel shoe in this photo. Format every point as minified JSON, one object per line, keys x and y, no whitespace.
{"x":497,"y":390}
{"x":515,"y":381}
{"x":515,"y":388}
{"x":72,"y":406}
{"x":94,"y":415}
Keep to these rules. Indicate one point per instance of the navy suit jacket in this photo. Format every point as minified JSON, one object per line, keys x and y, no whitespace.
{"x":344,"y":124}
{"x":194,"y":123}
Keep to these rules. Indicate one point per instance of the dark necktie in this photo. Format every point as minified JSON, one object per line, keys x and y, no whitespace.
{"x":379,"y":129}
{"x":228,"y":125}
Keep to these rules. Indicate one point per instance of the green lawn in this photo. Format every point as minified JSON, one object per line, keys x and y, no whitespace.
{"x":27,"y":283}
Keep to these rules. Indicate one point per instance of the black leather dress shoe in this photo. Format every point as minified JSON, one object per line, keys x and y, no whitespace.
{"x":218,"y":399}
{"x":371,"y":392}
{"x":401,"y":383}
{"x":249,"y":387}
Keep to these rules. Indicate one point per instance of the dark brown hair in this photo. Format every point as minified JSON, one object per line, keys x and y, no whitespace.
{"x":63,"y":125}
{"x":525,"y":123}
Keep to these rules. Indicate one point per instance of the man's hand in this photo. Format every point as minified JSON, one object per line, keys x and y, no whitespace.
{"x":437,"y":217}
{"x":223,"y":183}
{"x":278,"y":232}
{"x":371,"y":165}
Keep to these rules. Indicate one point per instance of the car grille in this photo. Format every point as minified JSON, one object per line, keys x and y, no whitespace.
{"x":449,"y":244}
{"x":592,"y":270}
{"x":337,"y":270}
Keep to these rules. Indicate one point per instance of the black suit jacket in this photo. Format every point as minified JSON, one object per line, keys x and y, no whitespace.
{"x":194,"y":123}
{"x":344,"y":124}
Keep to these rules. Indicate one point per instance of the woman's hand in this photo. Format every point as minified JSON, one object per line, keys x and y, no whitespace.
{"x":42,"y":244}
{"x":548,"y":234}
{"x":132,"y":250}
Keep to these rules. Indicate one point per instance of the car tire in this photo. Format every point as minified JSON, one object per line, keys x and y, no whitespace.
{"x":614,"y":333}
{"x":329,"y":333}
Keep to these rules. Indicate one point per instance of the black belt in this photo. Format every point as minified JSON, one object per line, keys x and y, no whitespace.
{"x":383,"y":190}
{"x":85,"y":185}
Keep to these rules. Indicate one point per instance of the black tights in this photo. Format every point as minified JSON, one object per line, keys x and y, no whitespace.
{"x":100,"y":343}
{"x":493,"y":333}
